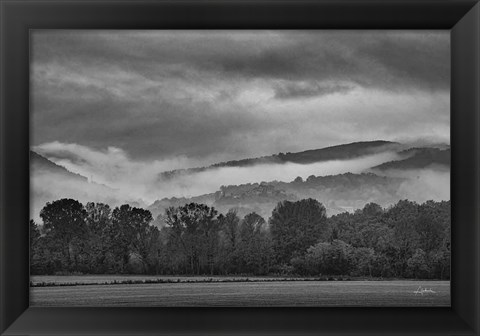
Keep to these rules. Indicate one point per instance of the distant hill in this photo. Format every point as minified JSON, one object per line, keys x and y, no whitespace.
{"x":339,"y":193}
{"x":52,"y":182}
{"x":419,"y":158}
{"x":40,"y":164}
{"x":340,"y":152}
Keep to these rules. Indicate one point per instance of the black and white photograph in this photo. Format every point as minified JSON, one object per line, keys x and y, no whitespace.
{"x":240,"y":168}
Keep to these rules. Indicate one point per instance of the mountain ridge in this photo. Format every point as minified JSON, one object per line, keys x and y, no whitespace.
{"x":41,"y":163}
{"x":337,"y":152}
{"x":340,"y":191}
{"x":418,"y":158}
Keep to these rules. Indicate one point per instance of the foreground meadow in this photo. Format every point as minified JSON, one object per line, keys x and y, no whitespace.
{"x":187,"y":291}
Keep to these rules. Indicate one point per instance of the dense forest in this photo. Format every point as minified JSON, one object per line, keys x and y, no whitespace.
{"x":406,"y":240}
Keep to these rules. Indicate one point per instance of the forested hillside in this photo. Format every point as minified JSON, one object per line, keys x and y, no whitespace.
{"x":339,"y":193}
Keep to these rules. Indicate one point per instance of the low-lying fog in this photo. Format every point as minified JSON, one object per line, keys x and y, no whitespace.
{"x":115,"y":179}
{"x":431,"y":183}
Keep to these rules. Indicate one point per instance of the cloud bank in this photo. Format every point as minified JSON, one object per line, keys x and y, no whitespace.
{"x":115,"y":178}
{"x":141,"y":179}
{"x":223,"y":95}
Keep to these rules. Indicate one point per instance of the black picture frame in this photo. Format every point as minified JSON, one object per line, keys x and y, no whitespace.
{"x":17,"y":17}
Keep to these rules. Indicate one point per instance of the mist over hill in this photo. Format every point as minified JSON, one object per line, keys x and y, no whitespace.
{"x":339,"y":193}
{"x":419,"y":158}
{"x":41,"y":165}
{"x":343,"y":178}
{"x":340,"y":152}
{"x":50,"y":181}
{"x":415,"y":173}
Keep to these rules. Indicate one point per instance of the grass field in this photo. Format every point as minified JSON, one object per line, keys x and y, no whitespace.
{"x":399,"y":293}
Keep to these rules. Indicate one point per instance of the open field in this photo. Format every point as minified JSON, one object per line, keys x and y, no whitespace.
{"x":271,"y":293}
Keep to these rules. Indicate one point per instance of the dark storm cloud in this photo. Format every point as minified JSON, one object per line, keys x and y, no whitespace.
{"x":305,"y":90}
{"x":160,"y":94}
{"x":418,"y":62}
{"x":398,"y":59}
{"x":145,"y":129}
{"x":391,"y":61}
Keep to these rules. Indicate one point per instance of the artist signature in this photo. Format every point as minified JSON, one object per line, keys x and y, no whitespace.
{"x":421,"y":290}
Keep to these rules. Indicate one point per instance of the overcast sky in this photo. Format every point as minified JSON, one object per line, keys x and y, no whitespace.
{"x":208,"y":96}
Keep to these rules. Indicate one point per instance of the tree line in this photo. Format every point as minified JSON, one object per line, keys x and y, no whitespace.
{"x":406,"y":240}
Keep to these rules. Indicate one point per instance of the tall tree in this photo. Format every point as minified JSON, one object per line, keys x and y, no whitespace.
{"x":36,"y":258}
{"x":418,"y":265}
{"x":402,"y":217}
{"x":229,"y":227}
{"x":254,"y":245}
{"x":195,"y":231}
{"x":295,"y":226}
{"x":34,"y":234}
{"x":64,"y":222}
{"x":430,"y":226}
{"x":98,"y":222}
{"x":131,"y":227}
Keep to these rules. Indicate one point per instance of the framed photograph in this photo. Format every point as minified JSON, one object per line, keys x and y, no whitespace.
{"x":226,"y":167}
